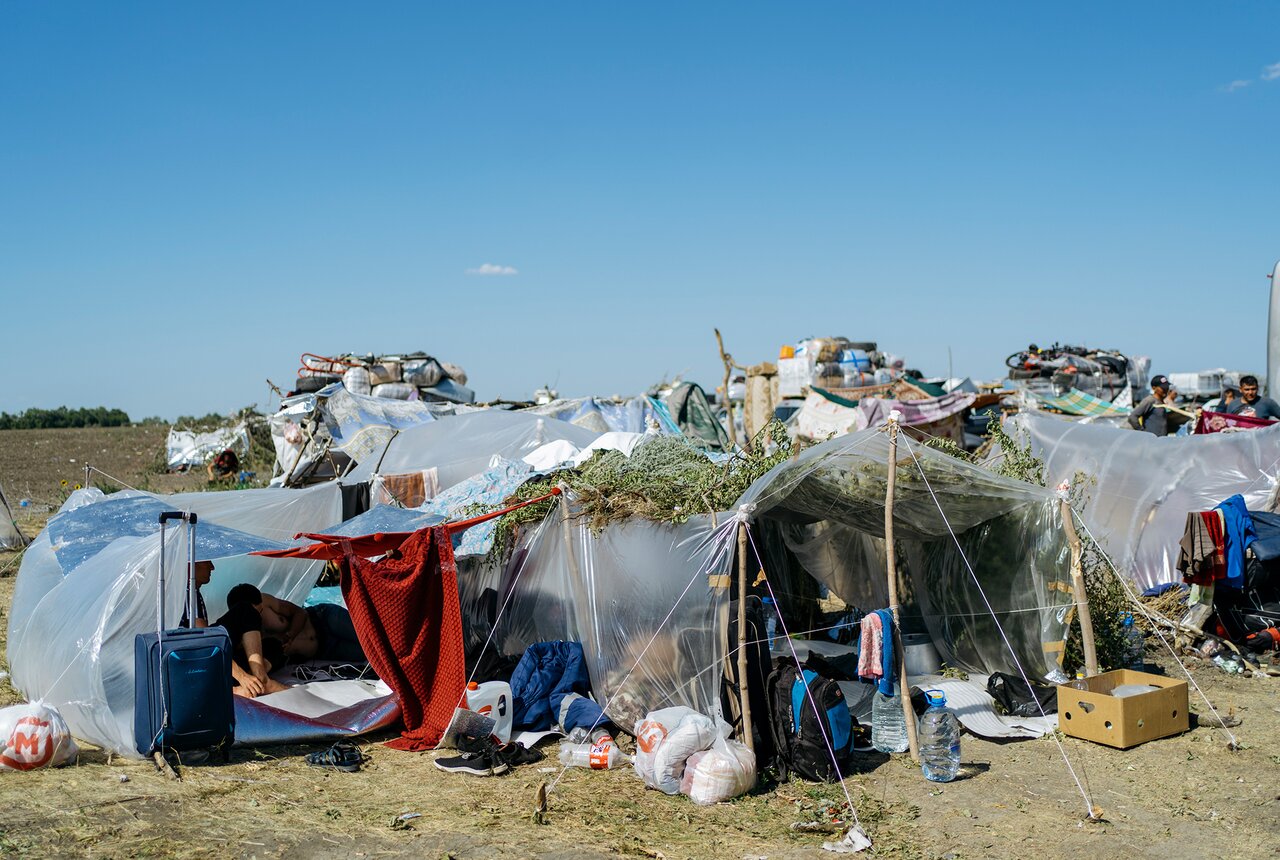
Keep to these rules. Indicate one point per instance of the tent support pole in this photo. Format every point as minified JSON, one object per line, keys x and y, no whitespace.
{"x":728,"y":404}
{"x":1082,"y":598}
{"x":748,"y":732}
{"x":904,"y":690}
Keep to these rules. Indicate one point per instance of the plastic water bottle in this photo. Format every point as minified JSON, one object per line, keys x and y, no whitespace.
{"x":603,"y":755}
{"x":939,"y":739}
{"x":1080,"y":683}
{"x":888,"y":723}
{"x":770,"y":620}
{"x":1136,"y":658}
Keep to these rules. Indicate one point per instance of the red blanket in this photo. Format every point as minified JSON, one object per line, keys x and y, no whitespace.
{"x":1216,"y":422}
{"x":406,"y":613}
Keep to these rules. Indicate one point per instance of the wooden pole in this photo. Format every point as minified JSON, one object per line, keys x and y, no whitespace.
{"x":909,"y":716}
{"x":728,"y":372}
{"x":1077,"y":587}
{"x":748,"y":737}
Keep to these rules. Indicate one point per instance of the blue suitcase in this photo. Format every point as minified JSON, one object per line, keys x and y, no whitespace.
{"x":182,"y":678}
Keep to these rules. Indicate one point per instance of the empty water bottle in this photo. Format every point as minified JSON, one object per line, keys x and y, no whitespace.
{"x":1080,"y":683}
{"x":939,"y":739}
{"x":770,"y":620}
{"x":602,"y":755}
{"x":1136,"y":658}
{"x":888,"y":723}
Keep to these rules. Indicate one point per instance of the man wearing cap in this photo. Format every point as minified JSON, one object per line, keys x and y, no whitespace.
{"x":1151,"y":414}
{"x":1251,"y":404}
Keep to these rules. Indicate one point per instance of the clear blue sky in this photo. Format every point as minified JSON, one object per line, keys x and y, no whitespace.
{"x":191,"y":195}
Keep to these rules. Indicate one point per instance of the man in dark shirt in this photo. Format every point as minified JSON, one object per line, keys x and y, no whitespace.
{"x":1251,"y":404}
{"x":1151,"y":415}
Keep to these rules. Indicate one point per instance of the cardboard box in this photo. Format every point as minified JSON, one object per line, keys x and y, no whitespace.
{"x":1095,"y":715}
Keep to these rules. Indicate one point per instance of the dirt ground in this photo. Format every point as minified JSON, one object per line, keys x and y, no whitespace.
{"x":1186,"y":796}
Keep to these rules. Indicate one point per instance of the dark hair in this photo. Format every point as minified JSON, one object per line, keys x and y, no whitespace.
{"x":244,"y":593}
{"x":1249,"y":380}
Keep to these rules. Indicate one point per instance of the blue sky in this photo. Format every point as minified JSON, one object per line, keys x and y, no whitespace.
{"x":191,"y":195}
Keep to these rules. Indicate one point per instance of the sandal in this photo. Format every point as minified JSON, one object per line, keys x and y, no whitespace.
{"x":343,"y":755}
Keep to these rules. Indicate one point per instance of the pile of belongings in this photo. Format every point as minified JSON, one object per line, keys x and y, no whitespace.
{"x":835,"y":362}
{"x":1094,"y":371}
{"x":1230,"y":558}
{"x":411,"y":376}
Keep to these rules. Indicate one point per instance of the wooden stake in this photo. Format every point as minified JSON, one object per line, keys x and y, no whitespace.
{"x":745,"y":702}
{"x":909,"y":716}
{"x":728,"y":372}
{"x":1082,"y":598}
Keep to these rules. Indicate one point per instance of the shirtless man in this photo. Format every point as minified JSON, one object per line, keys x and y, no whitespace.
{"x":254,"y":652}
{"x":324,"y":632}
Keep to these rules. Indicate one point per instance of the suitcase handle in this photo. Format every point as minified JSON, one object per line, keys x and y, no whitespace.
{"x":189,"y":516}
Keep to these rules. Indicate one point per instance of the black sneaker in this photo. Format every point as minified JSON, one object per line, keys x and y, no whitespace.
{"x":515,"y":754}
{"x":479,"y":757}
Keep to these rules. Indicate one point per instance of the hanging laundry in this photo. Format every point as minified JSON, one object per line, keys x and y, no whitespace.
{"x":871,"y":647}
{"x":1201,"y":559}
{"x":1239,"y":535}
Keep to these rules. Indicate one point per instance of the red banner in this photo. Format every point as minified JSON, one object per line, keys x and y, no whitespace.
{"x":1216,"y":422}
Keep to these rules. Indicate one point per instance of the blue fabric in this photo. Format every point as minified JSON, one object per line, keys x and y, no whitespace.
{"x":1157,"y":590}
{"x":1239,"y":536}
{"x":1267,"y":527}
{"x":547,"y":673}
{"x":890,"y":668}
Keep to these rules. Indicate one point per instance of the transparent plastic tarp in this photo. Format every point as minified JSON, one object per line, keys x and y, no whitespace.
{"x":71,"y":629}
{"x":461,"y":446}
{"x":631,"y":415}
{"x":1141,"y":487}
{"x":646,"y":600}
{"x":826,"y":509}
{"x":189,"y":448}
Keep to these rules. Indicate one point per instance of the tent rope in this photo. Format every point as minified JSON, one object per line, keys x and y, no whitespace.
{"x":1089,"y":808}
{"x":1142,"y":607}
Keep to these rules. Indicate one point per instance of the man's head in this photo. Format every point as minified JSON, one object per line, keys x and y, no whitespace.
{"x":1230,"y":395}
{"x":244,"y":593}
{"x":203,"y":571}
{"x":1249,"y":388}
{"x":1160,"y":385}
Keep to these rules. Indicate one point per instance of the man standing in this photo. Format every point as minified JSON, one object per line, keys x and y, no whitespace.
{"x":1251,"y":404}
{"x":1151,"y":414}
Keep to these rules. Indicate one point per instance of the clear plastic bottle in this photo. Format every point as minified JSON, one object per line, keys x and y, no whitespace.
{"x":1136,"y":656}
{"x":770,"y":620}
{"x":1080,"y":683}
{"x":598,"y":756}
{"x":939,"y":739}
{"x":888,"y":723}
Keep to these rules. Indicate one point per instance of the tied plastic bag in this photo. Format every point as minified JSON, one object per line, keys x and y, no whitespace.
{"x":723,"y":772}
{"x":32,"y":736}
{"x":357,"y":380}
{"x":664,"y":741}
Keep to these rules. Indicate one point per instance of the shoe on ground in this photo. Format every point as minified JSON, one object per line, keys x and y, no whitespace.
{"x":485,"y":762}
{"x":344,"y":756}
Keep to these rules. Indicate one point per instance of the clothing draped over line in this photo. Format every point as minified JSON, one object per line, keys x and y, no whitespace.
{"x":875,"y":649}
{"x":406,"y":613}
{"x":1214,"y":543}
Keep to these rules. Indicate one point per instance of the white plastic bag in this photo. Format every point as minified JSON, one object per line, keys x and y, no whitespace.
{"x":32,"y":736}
{"x":725,"y":771}
{"x":357,"y":380}
{"x":664,"y":740}
{"x":395,"y":391}
{"x":423,"y":372}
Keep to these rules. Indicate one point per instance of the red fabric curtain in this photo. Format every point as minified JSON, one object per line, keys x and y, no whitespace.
{"x":406,"y":613}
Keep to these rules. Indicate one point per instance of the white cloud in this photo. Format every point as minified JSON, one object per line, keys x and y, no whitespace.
{"x":491,"y":269}
{"x":1271,"y":72}
{"x":1236,"y":85}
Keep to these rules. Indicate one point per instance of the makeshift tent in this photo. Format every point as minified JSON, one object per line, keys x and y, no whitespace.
{"x":648,"y":601}
{"x":11,"y":536}
{"x":1141,"y":488}
{"x":1076,"y":402}
{"x":187,"y":448}
{"x":826,"y":414}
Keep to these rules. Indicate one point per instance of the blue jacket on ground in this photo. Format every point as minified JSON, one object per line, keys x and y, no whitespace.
{"x":550,"y":686}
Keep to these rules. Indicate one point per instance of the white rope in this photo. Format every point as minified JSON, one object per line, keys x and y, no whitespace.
{"x":1142,"y":607}
{"x":808,"y":693}
{"x":1016,"y":662}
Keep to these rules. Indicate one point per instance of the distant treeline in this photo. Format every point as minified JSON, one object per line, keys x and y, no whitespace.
{"x":45,"y":419}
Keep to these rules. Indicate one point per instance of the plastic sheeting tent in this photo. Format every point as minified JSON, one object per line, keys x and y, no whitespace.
{"x":89,"y":583}
{"x":461,"y":446}
{"x":825,"y":512}
{"x":1142,"y":487}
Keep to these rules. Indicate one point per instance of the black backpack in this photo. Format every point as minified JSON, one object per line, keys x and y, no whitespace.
{"x":798,"y":732}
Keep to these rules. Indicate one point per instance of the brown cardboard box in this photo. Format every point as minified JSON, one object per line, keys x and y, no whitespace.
{"x":1096,"y":715}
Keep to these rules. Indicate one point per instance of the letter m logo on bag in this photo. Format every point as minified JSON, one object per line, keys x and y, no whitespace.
{"x":24,"y":748}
